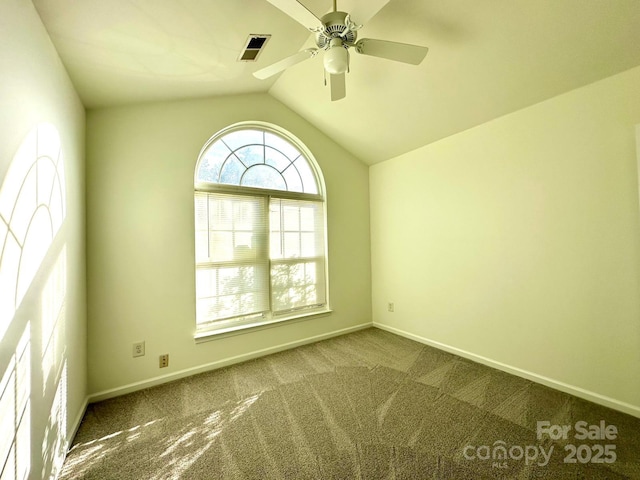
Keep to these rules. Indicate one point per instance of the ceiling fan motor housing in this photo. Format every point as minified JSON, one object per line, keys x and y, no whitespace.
{"x":335,"y":25}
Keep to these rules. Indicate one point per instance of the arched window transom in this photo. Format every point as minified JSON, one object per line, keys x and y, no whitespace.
{"x":259,"y":159}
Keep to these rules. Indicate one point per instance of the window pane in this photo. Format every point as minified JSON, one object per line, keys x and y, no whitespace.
{"x":229,"y":280}
{"x":233,"y":280}
{"x":202,"y":246}
{"x":297,"y":285}
{"x":212,"y":161}
{"x":274,"y":215}
{"x":307,"y":175}
{"x":301,"y":233}
{"x":206,"y":282}
{"x":245,"y":212}
{"x":247,"y":246}
{"x":291,"y":245}
{"x":293,"y":179}
{"x":276,"y":245}
{"x":220,"y":212}
{"x":297,"y":254}
{"x":283,"y":146}
{"x":221,"y":246}
{"x":251,"y":155}
{"x":240,"y":138}
{"x":232,"y":171}
{"x":201,"y":227}
{"x":206,"y":309}
{"x":226,"y":292}
{"x":308,"y":247}
{"x":264,"y":176}
{"x":291,"y":216}
{"x":276,"y":159}
{"x":236,"y":228}
{"x":200,"y":207}
{"x":308,"y":214}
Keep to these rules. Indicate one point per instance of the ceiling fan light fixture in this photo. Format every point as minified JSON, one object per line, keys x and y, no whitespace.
{"x":336,"y":58}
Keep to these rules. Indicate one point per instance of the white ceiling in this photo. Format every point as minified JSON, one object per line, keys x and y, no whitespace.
{"x":486,"y":58}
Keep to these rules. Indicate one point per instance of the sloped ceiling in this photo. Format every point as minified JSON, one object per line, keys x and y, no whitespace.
{"x":487,"y":58}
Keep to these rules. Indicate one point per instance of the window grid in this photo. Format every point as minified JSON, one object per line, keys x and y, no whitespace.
{"x":221,"y":163}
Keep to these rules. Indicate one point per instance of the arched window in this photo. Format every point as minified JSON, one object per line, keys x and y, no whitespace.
{"x":259,"y":230}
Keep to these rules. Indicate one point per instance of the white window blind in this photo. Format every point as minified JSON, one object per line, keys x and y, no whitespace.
{"x":232,"y":266}
{"x":297,"y":254}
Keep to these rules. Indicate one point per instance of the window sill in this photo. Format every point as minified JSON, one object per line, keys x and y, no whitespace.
{"x":213,"y":333}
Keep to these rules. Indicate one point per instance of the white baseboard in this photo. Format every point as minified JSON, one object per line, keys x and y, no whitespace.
{"x":549,"y":382}
{"x":75,"y":425}
{"x":225,"y":362}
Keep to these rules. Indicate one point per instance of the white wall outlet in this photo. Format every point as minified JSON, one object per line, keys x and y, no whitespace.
{"x":164,"y":360}
{"x":138,"y":349}
{"x":391,"y":307}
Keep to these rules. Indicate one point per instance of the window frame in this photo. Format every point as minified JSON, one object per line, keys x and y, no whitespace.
{"x":224,"y":327}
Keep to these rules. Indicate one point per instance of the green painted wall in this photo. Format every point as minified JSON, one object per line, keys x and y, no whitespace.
{"x":140,"y":167}
{"x":35,"y":89}
{"x":518,"y":241}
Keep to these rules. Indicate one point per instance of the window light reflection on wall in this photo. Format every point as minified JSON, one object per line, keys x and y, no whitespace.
{"x":32,"y":209}
{"x":15,"y":415}
{"x":53,"y":319}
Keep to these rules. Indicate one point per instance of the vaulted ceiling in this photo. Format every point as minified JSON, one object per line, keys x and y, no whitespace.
{"x":486,"y":58}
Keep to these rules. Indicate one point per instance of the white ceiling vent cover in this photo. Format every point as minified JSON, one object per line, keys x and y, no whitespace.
{"x":252,"y":47}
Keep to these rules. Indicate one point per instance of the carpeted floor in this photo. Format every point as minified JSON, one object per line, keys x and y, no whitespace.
{"x":367,"y":405}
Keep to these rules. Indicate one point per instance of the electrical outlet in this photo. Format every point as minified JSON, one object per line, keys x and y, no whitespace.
{"x":138,"y":349}
{"x":391,"y":307}
{"x":164,"y":360}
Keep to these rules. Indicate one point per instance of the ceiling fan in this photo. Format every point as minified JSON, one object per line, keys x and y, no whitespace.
{"x":336,"y":33}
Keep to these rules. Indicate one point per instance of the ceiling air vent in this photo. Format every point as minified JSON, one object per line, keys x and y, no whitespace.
{"x":252,"y":47}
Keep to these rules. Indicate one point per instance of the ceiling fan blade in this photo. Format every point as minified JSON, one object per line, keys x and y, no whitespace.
{"x":363,"y":11}
{"x":299,"y":13}
{"x":400,"y":52}
{"x":338,"y":86}
{"x":277,"y":67}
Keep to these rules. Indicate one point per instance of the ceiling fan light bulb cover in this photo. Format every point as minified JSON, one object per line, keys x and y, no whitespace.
{"x":336,"y":60}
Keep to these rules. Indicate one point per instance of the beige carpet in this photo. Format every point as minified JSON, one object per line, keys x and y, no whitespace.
{"x":368,"y":405}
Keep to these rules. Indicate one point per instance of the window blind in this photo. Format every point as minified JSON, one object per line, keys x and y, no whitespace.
{"x":296,"y":232}
{"x":232,"y":265}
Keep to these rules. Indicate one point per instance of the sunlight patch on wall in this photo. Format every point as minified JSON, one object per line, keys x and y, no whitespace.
{"x":15,"y":419}
{"x":53,"y":319}
{"x":32,"y":209}
{"x":55,"y":438}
